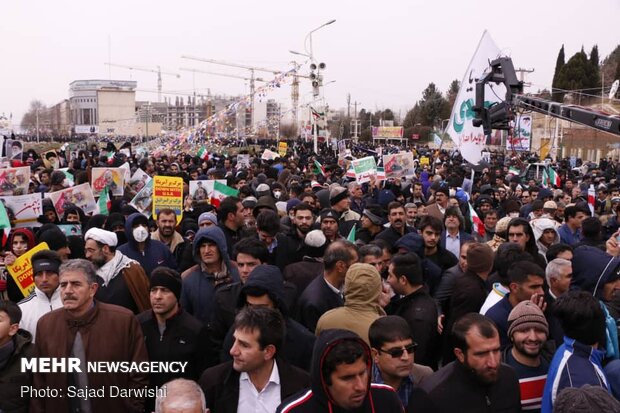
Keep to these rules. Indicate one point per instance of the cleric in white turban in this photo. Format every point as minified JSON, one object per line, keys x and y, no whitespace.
{"x":102,"y":236}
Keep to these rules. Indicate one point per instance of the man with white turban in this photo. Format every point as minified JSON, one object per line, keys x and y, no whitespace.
{"x":122,"y":281}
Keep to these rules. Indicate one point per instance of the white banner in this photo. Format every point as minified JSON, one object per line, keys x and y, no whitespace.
{"x":469,"y":139}
{"x":26,"y":208}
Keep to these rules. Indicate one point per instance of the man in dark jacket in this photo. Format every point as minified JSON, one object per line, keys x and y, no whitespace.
{"x":398,"y":224}
{"x":249,"y":380}
{"x":470,"y":290}
{"x":170,"y":333}
{"x":230,"y":216}
{"x":325,"y":292}
{"x":341,"y":379}
{"x":15,"y":345}
{"x":213,"y":269}
{"x":265,"y":287}
{"x":415,"y":305}
{"x":148,"y":252}
{"x":477,"y":381}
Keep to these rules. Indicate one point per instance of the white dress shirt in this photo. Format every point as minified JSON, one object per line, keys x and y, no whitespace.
{"x":265,"y":401}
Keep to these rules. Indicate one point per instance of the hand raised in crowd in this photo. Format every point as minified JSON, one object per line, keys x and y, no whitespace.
{"x":539,"y":300}
{"x":611,"y":246}
{"x":9,"y":258}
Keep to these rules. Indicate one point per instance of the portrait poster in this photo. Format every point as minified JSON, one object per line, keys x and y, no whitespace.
{"x":79,"y":195}
{"x":243,"y":161}
{"x":144,"y":199}
{"x":71,"y":229}
{"x":113,"y":178}
{"x":14,"y":149}
{"x":201,"y":191}
{"x":398,"y":165}
{"x":14,"y":181}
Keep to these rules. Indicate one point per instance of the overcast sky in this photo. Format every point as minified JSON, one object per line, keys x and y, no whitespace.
{"x":383,"y":53}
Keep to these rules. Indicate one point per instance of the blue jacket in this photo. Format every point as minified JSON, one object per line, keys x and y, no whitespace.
{"x":155,"y":254}
{"x":198,"y":293}
{"x":574,"y":364}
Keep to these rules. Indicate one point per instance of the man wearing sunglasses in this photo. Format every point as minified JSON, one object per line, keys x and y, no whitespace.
{"x":393,"y":351}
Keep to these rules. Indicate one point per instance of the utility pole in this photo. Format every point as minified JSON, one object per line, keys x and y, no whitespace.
{"x":348,"y":105}
{"x":355,"y":122}
{"x":521,"y":73}
{"x":37,"y":123}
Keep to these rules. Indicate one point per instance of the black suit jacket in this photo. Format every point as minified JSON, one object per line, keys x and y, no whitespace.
{"x":317,"y":299}
{"x":221,"y":385}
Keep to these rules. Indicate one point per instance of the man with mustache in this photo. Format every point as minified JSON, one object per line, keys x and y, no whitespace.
{"x":292,"y":248}
{"x":528,"y":331}
{"x":398,"y":224}
{"x":90,"y":331}
{"x":476,"y":381}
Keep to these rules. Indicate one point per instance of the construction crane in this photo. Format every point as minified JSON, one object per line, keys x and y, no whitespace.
{"x":146,"y":69}
{"x":252,"y":79}
{"x":187,"y":69}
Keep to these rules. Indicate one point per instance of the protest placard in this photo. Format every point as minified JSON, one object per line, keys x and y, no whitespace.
{"x":282,"y":148}
{"x":113,"y":178}
{"x":398,"y":164}
{"x":21,"y":269}
{"x":26,"y":209}
{"x":14,"y":181}
{"x":364,"y":168}
{"x":168,"y":193}
{"x":243,"y":161}
{"x":79,"y":195}
{"x":144,"y":199}
{"x":203,"y":190}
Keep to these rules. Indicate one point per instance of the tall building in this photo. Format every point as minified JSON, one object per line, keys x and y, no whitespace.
{"x":103,"y":106}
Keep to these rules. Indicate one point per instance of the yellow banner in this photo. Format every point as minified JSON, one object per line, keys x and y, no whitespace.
{"x":425,"y":160}
{"x":21,"y":270}
{"x":168,"y":193}
{"x":282,"y":148}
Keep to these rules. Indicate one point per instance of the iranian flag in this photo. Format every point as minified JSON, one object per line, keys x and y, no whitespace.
{"x":203,"y":154}
{"x":221,"y":191}
{"x":5,"y":224}
{"x":554,"y":178}
{"x":104,"y":202}
{"x":319,"y":168}
{"x":476,"y":223}
{"x":591,"y":195}
{"x":514,"y":170}
{"x":111,"y":158}
{"x":380,"y":173}
{"x":350,"y":173}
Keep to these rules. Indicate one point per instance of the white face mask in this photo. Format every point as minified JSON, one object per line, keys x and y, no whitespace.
{"x":140,"y":234}
{"x":276,"y":194}
{"x":452,"y":192}
{"x":514,"y":215}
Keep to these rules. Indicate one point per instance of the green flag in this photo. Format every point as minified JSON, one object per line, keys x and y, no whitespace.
{"x":104,"y":201}
{"x":351,"y":236}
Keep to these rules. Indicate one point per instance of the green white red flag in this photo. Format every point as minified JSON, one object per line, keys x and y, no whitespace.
{"x":203,"y":154}
{"x":476,"y":223}
{"x":5,"y":224}
{"x":221,"y":191}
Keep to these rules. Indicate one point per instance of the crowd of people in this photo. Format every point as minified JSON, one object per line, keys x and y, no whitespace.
{"x":309,"y":291}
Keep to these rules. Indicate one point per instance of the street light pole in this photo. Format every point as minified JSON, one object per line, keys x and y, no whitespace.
{"x":310,"y":54}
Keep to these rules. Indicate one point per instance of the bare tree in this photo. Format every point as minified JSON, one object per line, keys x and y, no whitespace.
{"x":29,"y":120}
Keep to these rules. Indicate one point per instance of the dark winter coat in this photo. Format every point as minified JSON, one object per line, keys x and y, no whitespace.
{"x":454,"y":388}
{"x":221,"y":385}
{"x":317,"y":399}
{"x":155,"y":254}
{"x":12,"y":378}
{"x":197,"y":296}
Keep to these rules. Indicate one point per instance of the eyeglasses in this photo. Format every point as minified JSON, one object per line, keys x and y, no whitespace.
{"x":398,"y":352}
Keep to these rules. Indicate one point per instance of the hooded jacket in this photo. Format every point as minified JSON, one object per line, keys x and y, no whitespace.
{"x":539,"y":226}
{"x":13,"y":291}
{"x":11,"y":376}
{"x":298,"y":342}
{"x":317,"y":399}
{"x":197,"y":295}
{"x":362,"y":286}
{"x":155,"y":253}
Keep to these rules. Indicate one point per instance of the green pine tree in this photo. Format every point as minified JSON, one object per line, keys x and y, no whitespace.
{"x":557,"y":95}
{"x":595,"y":71}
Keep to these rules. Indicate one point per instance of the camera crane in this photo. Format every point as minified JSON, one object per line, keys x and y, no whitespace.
{"x":499,"y":115}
